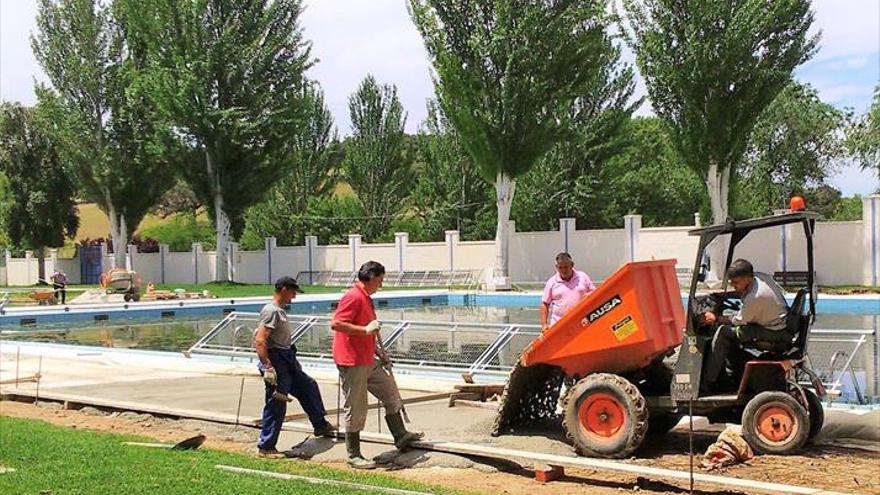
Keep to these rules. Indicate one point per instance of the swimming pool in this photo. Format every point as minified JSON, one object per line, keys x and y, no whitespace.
{"x":452,"y":330}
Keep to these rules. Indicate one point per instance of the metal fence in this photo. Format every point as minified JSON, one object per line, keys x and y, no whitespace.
{"x":430,"y":346}
{"x":846,"y":360}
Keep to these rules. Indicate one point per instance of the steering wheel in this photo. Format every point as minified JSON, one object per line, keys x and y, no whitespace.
{"x":722,"y":301}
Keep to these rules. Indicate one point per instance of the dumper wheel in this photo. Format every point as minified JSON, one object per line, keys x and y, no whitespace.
{"x":605,"y":416}
{"x":775,"y":423}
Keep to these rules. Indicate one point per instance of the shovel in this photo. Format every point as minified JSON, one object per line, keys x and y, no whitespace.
{"x":191,"y":443}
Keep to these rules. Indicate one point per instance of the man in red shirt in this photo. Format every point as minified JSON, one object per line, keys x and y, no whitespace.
{"x":355,"y":355}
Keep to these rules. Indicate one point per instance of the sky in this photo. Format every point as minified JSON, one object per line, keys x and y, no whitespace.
{"x":353,"y":38}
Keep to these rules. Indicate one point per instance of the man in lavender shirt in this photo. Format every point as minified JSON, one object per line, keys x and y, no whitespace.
{"x":563,"y":291}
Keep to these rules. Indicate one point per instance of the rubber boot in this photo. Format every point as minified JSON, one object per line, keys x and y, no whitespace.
{"x":402,"y":438}
{"x":353,"y":447}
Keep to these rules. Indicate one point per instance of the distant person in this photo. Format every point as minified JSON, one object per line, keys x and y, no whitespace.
{"x":360,"y":365}
{"x":59,"y":283}
{"x":282,"y":373}
{"x":563,"y":291}
{"x":762,"y":317}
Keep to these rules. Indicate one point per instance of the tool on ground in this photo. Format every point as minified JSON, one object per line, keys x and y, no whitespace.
{"x":611,"y":352}
{"x":191,"y":443}
{"x":385,"y":359}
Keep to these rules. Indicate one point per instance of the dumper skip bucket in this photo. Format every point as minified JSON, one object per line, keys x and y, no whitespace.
{"x":635,"y":316}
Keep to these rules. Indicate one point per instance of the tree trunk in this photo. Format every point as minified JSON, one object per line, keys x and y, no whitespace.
{"x":220,"y":261}
{"x":41,"y":265}
{"x":119,"y":233}
{"x":718,"y":184}
{"x":221,"y":222}
{"x":504,"y":189}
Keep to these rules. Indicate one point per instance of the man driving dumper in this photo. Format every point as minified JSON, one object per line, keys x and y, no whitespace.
{"x":761,"y":318}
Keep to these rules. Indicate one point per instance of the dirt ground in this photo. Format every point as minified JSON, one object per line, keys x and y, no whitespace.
{"x":841,"y":470}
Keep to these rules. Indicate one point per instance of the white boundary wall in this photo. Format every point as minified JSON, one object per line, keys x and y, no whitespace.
{"x":847,"y":253}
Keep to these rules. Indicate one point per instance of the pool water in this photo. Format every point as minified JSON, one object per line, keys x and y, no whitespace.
{"x":836,"y":337}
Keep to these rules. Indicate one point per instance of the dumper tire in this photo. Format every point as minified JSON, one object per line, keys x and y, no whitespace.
{"x":775,"y":423}
{"x":817,"y":413}
{"x":605,"y":415}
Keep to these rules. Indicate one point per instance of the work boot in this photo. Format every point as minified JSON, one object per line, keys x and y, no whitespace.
{"x":402,"y":438}
{"x":328,"y":430}
{"x":353,"y":447}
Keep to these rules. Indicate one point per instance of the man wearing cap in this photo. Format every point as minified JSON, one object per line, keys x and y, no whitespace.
{"x":282,"y":373}
{"x":563,"y":291}
{"x":360,"y":369}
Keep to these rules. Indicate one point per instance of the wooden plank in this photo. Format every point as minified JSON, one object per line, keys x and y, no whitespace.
{"x":492,"y":406}
{"x":23,"y":379}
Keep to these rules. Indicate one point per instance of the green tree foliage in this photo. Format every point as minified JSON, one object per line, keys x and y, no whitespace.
{"x":847,"y":210}
{"x":570,"y":180}
{"x":508,"y":74}
{"x":863,"y":137}
{"x":650,"y":179}
{"x":41,"y":210}
{"x":106,"y":128}
{"x":711,"y":68}
{"x":448,"y":193}
{"x":330,"y":218}
{"x":6,"y":201}
{"x":180,"y":231}
{"x":228,"y":75}
{"x":792,"y":150}
{"x":312,"y":165}
{"x":375,"y":164}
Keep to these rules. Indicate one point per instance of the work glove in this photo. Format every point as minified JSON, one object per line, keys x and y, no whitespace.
{"x":270,"y":377}
{"x":372,"y":327}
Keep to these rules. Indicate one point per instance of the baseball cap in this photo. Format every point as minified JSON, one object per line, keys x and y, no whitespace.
{"x":288,"y":282}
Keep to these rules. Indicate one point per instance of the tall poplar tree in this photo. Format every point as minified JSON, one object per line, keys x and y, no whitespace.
{"x":507,"y":74}
{"x":711,"y":68}
{"x":228,"y":77}
{"x":105,"y":127}
{"x":375,"y":165}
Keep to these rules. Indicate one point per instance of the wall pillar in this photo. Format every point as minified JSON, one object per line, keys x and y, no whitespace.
{"x":354,"y":242}
{"x":31,"y":276}
{"x":196,"y":251}
{"x":566,"y":231}
{"x":163,"y":255}
{"x":697,"y":221}
{"x":632,"y":224}
{"x":270,"y":243}
{"x":311,"y":244}
{"x":452,"y":238}
{"x":401,"y":239}
{"x":129,"y":258}
{"x":51,"y":264}
{"x":871,"y":238}
{"x":232,"y":260}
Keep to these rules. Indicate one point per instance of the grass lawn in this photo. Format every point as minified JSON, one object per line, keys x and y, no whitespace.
{"x":51,"y":459}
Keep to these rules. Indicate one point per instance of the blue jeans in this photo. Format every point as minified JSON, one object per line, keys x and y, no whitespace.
{"x":294,"y":381}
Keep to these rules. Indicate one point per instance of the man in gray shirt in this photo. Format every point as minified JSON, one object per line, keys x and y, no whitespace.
{"x":762,"y":317}
{"x":282,"y":373}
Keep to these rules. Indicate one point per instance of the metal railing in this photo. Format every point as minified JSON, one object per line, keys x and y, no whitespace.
{"x":493,"y":348}
{"x":424,"y":345}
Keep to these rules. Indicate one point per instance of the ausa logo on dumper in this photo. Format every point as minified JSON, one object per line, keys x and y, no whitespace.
{"x":602,"y":310}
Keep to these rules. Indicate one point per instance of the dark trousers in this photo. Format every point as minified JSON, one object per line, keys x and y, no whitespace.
{"x":60,"y":289}
{"x":294,"y":381}
{"x":728,"y":338}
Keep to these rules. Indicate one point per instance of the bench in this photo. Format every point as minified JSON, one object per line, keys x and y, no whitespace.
{"x":792,"y":278}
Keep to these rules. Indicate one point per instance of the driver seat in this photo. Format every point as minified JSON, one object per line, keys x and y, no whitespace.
{"x":797,"y":326}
